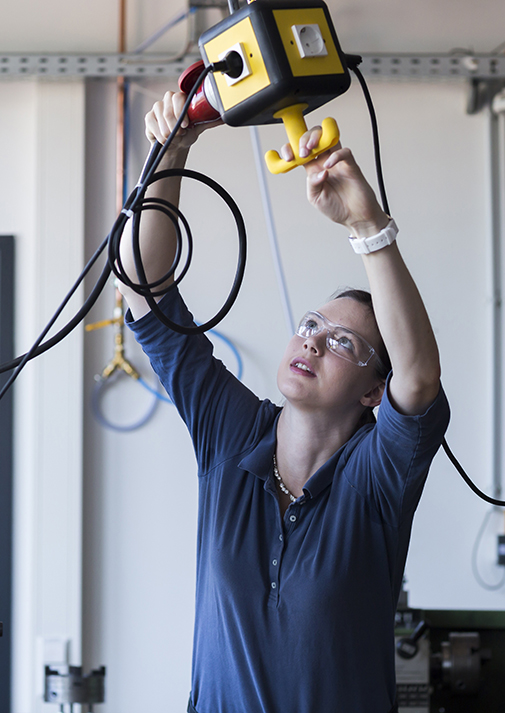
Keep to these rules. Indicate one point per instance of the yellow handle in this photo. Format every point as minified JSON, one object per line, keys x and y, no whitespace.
{"x":295,"y":126}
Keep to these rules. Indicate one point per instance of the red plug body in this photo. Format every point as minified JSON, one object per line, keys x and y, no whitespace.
{"x":200,"y":110}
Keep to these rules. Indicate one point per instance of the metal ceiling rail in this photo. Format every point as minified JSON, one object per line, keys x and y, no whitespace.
{"x":386,"y":66}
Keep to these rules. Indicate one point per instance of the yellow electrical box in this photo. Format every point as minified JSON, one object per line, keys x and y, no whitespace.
{"x":290,"y":56}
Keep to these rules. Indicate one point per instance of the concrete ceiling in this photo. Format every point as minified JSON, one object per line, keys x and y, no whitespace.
{"x":362,"y":25}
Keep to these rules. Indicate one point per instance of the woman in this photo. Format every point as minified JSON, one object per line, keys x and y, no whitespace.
{"x":305,"y":511}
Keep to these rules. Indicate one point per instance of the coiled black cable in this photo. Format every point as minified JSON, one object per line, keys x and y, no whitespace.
{"x":149,"y":289}
{"x":132,"y":208}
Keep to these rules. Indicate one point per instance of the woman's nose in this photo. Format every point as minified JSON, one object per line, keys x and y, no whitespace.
{"x":315,"y":343}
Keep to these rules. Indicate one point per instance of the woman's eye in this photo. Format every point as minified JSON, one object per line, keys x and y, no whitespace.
{"x":346,"y":343}
{"x":308,"y":327}
{"x":343,"y":342}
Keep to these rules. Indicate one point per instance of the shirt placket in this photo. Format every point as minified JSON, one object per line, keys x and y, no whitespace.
{"x":278,"y":547}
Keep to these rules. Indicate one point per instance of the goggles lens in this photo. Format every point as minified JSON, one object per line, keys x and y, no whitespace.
{"x":340,"y":340}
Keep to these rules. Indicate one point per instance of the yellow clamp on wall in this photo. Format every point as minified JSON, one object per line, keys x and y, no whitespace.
{"x":295,"y":126}
{"x":118,"y":361}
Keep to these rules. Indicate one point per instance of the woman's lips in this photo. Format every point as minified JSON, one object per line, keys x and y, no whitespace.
{"x":301,"y":366}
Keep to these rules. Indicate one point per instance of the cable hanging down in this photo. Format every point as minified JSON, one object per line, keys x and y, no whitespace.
{"x":131,"y":208}
{"x":353,"y":61}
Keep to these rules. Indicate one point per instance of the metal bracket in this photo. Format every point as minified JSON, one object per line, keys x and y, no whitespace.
{"x":67,"y":685}
{"x":434,"y":66}
{"x":379,"y":66}
{"x":220,"y":4}
{"x":93,"y":65}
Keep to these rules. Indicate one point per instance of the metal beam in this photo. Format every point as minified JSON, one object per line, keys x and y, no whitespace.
{"x":385,"y":66}
{"x":93,"y":65}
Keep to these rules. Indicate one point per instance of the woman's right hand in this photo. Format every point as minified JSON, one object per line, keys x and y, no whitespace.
{"x":160,"y":121}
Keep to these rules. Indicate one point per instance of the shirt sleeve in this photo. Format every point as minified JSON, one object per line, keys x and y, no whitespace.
{"x":219,"y":411}
{"x":390,"y":461}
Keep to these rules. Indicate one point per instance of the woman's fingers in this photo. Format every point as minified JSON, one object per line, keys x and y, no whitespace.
{"x":309,"y":141}
{"x":178,"y":101}
{"x":287,"y":152}
{"x":338,"y":154}
{"x":162,"y":118}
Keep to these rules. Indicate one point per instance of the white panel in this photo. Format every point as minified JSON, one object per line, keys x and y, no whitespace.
{"x":17,"y":216}
{"x":48,"y":426}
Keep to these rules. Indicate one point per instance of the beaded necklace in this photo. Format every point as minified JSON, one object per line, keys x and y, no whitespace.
{"x":281,"y":483}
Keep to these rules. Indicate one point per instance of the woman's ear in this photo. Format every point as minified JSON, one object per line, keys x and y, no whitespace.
{"x":373,"y":397}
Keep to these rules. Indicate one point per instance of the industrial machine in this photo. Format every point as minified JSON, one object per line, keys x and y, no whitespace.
{"x":449,"y":661}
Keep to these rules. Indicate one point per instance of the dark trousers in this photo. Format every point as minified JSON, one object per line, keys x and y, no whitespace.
{"x":192,"y":709}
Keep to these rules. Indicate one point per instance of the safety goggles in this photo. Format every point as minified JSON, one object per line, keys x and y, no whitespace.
{"x":340,"y":340}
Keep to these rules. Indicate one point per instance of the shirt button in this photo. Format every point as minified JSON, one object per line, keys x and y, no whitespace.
{"x":292,"y":518}
{"x":274,"y":585}
{"x":274,"y":562}
{"x":280,"y":538}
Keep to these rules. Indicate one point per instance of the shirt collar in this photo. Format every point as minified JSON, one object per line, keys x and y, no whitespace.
{"x":259,"y":461}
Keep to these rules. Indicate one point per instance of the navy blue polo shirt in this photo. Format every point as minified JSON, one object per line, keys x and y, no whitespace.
{"x":294,"y":614}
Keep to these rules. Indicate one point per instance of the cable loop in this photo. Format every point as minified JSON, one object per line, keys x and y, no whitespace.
{"x":148,"y":290}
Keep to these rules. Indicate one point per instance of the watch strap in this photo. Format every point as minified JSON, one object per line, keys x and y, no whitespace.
{"x":375,"y":242}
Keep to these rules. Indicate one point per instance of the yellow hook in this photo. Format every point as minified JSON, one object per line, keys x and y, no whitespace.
{"x":294,"y":123}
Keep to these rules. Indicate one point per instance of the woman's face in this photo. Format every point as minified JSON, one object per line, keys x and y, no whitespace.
{"x":311,"y":377}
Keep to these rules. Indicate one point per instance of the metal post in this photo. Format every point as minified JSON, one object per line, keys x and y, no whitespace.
{"x":497,"y":161}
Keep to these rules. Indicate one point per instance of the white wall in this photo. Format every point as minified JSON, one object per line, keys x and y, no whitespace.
{"x":139,"y":487}
{"x":42,"y":206}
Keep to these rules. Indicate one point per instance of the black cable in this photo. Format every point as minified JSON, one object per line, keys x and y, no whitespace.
{"x":471,"y":484}
{"x":38,"y":348}
{"x":143,"y":287}
{"x":352,"y":62}
{"x":147,"y":288}
{"x":131,"y":207}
